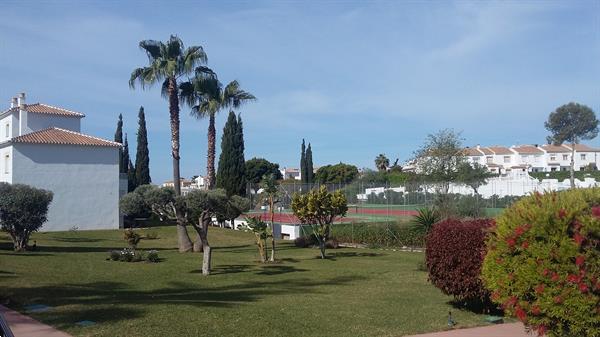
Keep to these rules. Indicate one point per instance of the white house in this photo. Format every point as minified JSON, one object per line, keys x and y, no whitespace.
{"x":42,"y":146}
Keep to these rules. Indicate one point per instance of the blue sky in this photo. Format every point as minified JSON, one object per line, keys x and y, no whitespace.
{"x":354,"y":78}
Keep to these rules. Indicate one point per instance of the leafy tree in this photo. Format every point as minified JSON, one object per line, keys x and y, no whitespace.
{"x":382,"y":162}
{"x":319,"y":208}
{"x":336,"y":174}
{"x":270,"y":189}
{"x":167,"y":63}
{"x":303,"y":164}
{"x":571,"y":123}
{"x":473,"y":175}
{"x":231,"y":176}
{"x":119,"y":139}
{"x":261,"y":231}
{"x":23,"y":210}
{"x":256,"y":168}
{"x":142,"y":158}
{"x":310,"y":174}
{"x":206,"y":95}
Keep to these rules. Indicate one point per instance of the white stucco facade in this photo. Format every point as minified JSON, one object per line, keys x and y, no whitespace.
{"x":41,"y":146}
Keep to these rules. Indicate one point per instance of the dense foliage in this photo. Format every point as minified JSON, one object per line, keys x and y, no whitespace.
{"x":23,"y":210}
{"x":231,"y":174}
{"x":454,"y":254}
{"x":379,"y":234}
{"x":142,"y":157}
{"x":310,"y":170}
{"x":256,"y":168}
{"x":319,"y":208}
{"x":336,"y":174}
{"x":119,"y":139}
{"x":543,"y":264}
{"x":589,"y":172}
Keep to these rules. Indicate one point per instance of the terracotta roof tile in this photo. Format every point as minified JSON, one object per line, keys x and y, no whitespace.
{"x":500,"y":150}
{"x":62,"y":137}
{"x":554,"y":148}
{"x":527,"y":149}
{"x":582,"y":148}
{"x":473,"y":152}
{"x":41,"y":108}
{"x":485,"y":151}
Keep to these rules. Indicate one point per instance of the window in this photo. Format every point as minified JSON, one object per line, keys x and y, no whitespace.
{"x":6,"y":163}
{"x":507,"y":159}
{"x":553,"y":157}
{"x":553,"y":169}
{"x":7,"y":131}
{"x":565,"y":157}
{"x":582,"y":156}
{"x":475,"y":159}
{"x":489,"y":159}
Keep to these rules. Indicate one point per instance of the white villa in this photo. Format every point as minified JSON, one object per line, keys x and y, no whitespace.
{"x":533,"y":158}
{"x":42,"y":146}
{"x":197,"y":183}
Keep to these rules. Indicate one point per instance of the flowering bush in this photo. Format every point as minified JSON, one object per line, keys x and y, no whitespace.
{"x":454,"y":254}
{"x":543,"y":264}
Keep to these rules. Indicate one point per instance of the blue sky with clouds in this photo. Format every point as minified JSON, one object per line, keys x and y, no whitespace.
{"x":354,"y":78}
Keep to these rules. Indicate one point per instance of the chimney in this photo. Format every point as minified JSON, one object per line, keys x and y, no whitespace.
{"x":13,"y":102}
{"x":22,"y":114}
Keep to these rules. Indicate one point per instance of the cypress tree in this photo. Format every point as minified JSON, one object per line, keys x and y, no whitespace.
{"x":309,"y":165}
{"x":142,"y":157}
{"x":240,"y":173}
{"x":127,"y":166}
{"x":119,"y":139}
{"x":227,"y":158}
{"x":131,"y":182}
{"x":303,"y":164}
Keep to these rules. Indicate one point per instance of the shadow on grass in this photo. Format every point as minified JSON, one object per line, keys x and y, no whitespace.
{"x":278,"y":270}
{"x":75,"y":240}
{"x":477,"y":307}
{"x":66,"y":318}
{"x":229,"y":269}
{"x":335,"y":255}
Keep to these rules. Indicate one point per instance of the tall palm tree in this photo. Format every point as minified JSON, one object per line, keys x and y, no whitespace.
{"x":167,"y":62}
{"x":382,"y":162}
{"x":206,"y":95}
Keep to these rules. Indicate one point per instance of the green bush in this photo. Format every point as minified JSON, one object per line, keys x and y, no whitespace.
{"x":114,"y":255}
{"x":379,"y":234}
{"x":132,"y":238}
{"x":153,"y":256}
{"x":543,"y":263}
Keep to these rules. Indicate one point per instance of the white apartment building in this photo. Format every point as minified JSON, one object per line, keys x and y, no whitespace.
{"x":520,"y":159}
{"x":198,"y":183}
{"x":42,"y":146}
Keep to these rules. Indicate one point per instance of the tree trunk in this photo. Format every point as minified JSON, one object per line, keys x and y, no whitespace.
{"x":20,"y":242}
{"x":573,"y":165}
{"x":206,"y":260}
{"x":202,"y":229}
{"x":272,"y":259}
{"x":185,"y":243}
{"x":322,"y":247}
{"x":210,"y":156}
{"x":261,"y":249}
{"x":198,"y":244}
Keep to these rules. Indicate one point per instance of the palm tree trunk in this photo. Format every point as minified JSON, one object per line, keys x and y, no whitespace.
{"x":573,"y":165}
{"x":185,"y":244}
{"x":210,"y":156}
{"x":272,"y":259}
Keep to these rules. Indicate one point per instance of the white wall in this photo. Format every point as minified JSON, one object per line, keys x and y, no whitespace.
{"x":36,"y":122}
{"x":84,"y":179}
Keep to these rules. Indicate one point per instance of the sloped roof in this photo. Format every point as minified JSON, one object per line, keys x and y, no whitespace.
{"x":41,"y":108}
{"x":555,"y":148}
{"x":500,"y":150}
{"x":583,"y":148}
{"x":527,"y":149}
{"x":58,"y":136}
{"x":471,"y":151}
{"x":485,"y":150}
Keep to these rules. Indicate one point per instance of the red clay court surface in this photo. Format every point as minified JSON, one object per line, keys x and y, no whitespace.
{"x":289,"y":218}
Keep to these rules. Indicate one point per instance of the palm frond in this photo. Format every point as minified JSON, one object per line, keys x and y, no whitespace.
{"x":152,"y":48}
{"x":174,"y":48}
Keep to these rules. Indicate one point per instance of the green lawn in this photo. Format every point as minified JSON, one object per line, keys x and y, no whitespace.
{"x":358,"y":292}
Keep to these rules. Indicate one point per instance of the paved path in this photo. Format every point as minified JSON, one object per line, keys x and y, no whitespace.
{"x":496,"y":330}
{"x":24,"y":326}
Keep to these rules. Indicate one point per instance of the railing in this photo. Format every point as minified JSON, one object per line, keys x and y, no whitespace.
{"x":4,"y":329}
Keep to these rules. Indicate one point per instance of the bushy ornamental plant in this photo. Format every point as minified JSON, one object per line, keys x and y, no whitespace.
{"x":454,"y":254}
{"x":543,"y":264}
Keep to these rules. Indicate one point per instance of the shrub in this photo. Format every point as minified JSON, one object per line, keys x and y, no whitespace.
{"x":543,"y":264}
{"x":305,"y":241}
{"x":23,"y":210}
{"x":114,"y":255}
{"x":153,"y":256}
{"x":425,"y":219}
{"x":127,"y":255}
{"x":132,"y":238}
{"x":454,"y":253}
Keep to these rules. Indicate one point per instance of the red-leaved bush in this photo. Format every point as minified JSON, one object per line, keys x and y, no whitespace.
{"x":454,"y":253}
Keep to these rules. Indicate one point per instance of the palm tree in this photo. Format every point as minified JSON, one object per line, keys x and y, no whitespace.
{"x":206,"y":95}
{"x":382,"y":162}
{"x":167,"y":62}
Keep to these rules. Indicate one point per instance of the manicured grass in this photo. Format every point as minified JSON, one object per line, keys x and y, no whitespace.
{"x":358,"y":292}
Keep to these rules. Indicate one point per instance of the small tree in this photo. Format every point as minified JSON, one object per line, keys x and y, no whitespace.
{"x":261,"y":232}
{"x":571,"y":123}
{"x":319,"y":208}
{"x":23,"y":210}
{"x":270,"y":189}
{"x":473,"y":175}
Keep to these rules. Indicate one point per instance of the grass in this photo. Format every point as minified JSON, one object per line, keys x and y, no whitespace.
{"x":358,"y":292}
